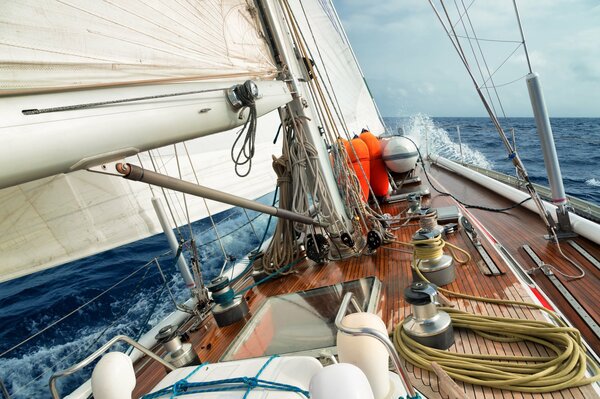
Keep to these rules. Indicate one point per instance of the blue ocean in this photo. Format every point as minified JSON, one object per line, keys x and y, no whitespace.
{"x":134,"y":304}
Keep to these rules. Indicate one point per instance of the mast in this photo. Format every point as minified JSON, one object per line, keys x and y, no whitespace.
{"x":301,"y":103}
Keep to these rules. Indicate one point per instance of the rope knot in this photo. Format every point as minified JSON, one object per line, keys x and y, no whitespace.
{"x":180,"y":386}
{"x":250,"y":382}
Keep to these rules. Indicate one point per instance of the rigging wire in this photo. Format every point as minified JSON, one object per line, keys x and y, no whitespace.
{"x":485,"y":63}
{"x":187,"y":211}
{"x":487,"y":40}
{"x":166,"y":197}
{"x":472,"y":50}
{"x":80,"y":349}
{"x":544,"y":214}
{"x":210,"y":216}
{"x":54,"y":323}
{"x":507,"y":83}
{"x":483,"y":208}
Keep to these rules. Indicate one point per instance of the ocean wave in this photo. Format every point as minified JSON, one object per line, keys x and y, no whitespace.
{"x":439,"y":142}
{"x":593,"y":182}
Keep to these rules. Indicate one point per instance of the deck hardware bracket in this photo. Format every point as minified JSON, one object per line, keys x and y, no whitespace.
{"x":107,"y":168}
{"x":589,"y":257}
{"x":493,"y":269}
{"x":585,"y":316}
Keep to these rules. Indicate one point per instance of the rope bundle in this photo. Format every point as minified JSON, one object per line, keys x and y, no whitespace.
{"x":246,"y":151}
{"x":535,"y":374}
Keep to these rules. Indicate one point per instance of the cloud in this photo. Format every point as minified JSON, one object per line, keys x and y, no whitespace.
{"x":407,"y":57}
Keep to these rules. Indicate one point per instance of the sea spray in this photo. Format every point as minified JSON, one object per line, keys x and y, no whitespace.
{"x":437,"y":140}
{"x":593,"y":182}
{"x":46,"y":296}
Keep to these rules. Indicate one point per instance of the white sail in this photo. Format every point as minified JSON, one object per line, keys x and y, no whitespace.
{"x":335,"y":61}
{"x":115,"y":50}
{"x":65,"y":43}
{"x":58,"y":219}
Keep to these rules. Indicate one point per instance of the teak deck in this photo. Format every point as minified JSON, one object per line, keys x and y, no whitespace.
{"x":512,"y":229}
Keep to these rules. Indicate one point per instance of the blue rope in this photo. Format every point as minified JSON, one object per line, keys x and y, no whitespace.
{"x":183,"y":387}
{"x":270,"y":276}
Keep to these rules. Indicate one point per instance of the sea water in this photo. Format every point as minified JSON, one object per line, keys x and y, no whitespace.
{"x":29,"y":304}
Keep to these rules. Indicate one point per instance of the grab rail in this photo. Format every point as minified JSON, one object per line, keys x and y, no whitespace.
{"x":97,"y":353}
{"x":381,"y":337}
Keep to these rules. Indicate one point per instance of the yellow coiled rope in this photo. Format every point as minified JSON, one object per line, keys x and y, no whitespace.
{"x":534,"y":374}
{"x":432,"y":248}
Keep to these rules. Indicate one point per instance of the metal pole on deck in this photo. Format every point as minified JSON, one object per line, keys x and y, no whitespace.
{"x":544,"y":129}
{"x":462,"y":158}
{"x":173,"y":244}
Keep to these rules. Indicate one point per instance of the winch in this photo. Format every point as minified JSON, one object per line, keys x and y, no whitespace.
{"x":427,"y":324}
{"x":435,"y":265}
{"x":414,"y":204}
{"x":178,"y":353}
{"x":228,"y":307}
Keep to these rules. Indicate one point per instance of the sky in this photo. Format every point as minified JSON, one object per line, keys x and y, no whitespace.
{"x":411,"y":66}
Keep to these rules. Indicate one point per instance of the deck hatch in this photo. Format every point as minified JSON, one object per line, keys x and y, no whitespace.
{"x":301,"y":323}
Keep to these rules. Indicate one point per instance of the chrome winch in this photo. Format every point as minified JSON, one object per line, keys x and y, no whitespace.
{"x":427,"y":324}
{"x":228,"y":307}
{"x":178,"y":354}
{"x":433,"y":263}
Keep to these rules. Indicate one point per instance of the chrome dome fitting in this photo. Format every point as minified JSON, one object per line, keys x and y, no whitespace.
{"x":427,"y":324}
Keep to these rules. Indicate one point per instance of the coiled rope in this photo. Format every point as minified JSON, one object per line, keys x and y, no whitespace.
{"x":245,"y":153}
{"x":534,"y":374}
{"x":433,"y":248}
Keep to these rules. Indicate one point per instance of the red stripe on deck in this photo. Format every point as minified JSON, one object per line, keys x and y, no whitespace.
{"x":541,"y":298}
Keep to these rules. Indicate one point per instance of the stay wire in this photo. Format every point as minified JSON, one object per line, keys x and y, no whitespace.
{"x":79,"y":349}
{"x":483,"y":208}
{"x":544,"y":215}
{"x":210,"y":216}
{"x":473,"y":51}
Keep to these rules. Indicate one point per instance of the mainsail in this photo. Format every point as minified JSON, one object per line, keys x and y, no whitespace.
{"x":334,"y":59}
{"x":66,"y":43}
{"x":51,"y":213}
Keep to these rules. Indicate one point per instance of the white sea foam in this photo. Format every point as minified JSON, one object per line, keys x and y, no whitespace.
{"x":439,"y":142}
{"x":44,"y":360}
{"x":593,"y":182}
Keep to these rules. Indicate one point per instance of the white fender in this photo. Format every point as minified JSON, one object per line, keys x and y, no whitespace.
{"x":113,"y":377}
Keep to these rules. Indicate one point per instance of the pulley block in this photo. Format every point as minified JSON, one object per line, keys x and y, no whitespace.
{"x":317,"y":248}
{"x":374,"y":240}
{"x":347,"y":240}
